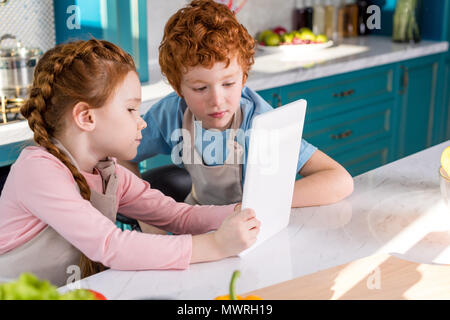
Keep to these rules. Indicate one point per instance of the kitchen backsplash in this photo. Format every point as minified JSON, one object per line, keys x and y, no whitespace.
{"x":255,"y":16}
{"x":31,"y":21}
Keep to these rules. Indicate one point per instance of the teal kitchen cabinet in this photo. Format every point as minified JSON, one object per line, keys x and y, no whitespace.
{"x":349,"y":116}
{"x":351,"y":130}
{"x":441,"y":122}
{"x":416,"y":102}
{"x":435,"y":25}
{"x":359,"y":140}
{"x":390,"y":111}
{"x":446,"y":99}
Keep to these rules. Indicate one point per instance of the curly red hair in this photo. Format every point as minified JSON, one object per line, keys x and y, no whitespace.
{"x":203,"y":33}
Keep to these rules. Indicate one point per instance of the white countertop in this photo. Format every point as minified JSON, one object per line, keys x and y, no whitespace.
{"x":274,"y":70}
{"x":395,"y":209}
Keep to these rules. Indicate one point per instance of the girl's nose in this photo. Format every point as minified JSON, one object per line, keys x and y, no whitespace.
{"x":141,"y":123}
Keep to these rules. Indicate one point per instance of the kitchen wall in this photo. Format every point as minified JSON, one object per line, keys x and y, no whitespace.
{"x":255,"y":16}
{"x":31,"y":21}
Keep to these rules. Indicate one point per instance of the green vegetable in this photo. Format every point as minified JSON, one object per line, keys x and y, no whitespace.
{"x":236,"y":274}
{"x":29,"y":287}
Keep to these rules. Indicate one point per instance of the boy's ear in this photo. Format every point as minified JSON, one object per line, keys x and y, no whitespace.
{"x":244,"y":79}
{"x":83,"y":116}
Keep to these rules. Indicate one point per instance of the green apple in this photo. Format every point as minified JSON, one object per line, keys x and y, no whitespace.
{"x":287,"y":38}
{"x":307,"y":35}
{"x":272,"y":40}
{"x":296,"y":33}
{"x":305,"y":30}
{"x":263,"y":34}
{"x":321,"y":38}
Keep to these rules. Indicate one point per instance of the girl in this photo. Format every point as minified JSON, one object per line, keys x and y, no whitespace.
{"x":59,"y":203}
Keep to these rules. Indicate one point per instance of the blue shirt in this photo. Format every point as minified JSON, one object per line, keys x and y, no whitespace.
{"x":165,"y":119}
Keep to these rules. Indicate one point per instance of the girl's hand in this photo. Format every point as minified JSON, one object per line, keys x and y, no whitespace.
{"x":237,"y":232}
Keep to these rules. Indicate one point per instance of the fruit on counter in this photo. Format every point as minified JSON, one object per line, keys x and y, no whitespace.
{"x":304,"y":29}
{"x":29,"y":287}
{"x":232,"y":295}
{"x":307,"y":34}
{"x":272,"y":40}
{"x":279,"y":30}
{"x":279,"y":36}
{"x":321,"y":38}
{"x":287,"y":38}
{"x":263,"y":34}
{"x":445,"y":160}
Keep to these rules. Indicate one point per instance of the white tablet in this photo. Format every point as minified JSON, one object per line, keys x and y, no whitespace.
{"x":274,"y":147}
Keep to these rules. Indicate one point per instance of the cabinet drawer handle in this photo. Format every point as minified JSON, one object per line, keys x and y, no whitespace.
{"x":344,"y":93}
{"x":278,"y":97}
{"x":342,"y":135}
{"x":405,"y":80}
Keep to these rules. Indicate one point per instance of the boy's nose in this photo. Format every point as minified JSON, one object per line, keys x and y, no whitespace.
{"x":216,"y":97}
{"x":142,"y":124}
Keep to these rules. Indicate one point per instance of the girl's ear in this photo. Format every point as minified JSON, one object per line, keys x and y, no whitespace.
{"x":83,"y":116}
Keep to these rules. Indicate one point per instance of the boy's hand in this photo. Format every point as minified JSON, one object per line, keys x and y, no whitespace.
{"x":237,"y":232}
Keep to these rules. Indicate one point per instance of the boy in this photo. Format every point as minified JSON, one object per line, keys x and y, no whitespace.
{"x":206,"y":56}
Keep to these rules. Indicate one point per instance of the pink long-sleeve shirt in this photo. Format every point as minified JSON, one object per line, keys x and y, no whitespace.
{"x":40,"y":191}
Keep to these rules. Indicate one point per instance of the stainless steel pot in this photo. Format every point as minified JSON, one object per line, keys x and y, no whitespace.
{"x":17,"y":64}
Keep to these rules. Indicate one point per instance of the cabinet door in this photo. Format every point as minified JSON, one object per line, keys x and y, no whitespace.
{"x":365,"y":158}
{"x":442,"y":115}
{"x":417,"y":104}
{"x":446,"y":106}
{"x":351,"y":131}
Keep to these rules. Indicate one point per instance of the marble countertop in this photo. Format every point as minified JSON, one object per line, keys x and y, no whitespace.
{"x":273,"y":70}
{"x":394,"y":209}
